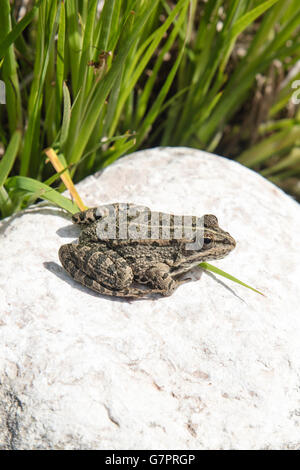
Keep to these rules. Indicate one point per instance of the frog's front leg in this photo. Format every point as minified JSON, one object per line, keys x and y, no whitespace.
{"x":103,"y":271}
{"x":160,"y":278}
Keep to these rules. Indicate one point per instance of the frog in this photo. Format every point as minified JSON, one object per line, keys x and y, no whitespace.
{"x":129,"y":251}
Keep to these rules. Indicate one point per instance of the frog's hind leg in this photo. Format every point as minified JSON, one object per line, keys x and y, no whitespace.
{"x":104,"y":272}
{"x":160,"y":279}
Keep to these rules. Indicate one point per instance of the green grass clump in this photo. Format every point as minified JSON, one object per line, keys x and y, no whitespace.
{"x":95,"y":80}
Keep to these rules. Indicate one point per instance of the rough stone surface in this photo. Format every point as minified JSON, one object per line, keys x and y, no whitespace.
{"x":214,"y":366}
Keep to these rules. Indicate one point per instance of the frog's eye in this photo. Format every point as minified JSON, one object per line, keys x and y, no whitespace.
{"x":207,"y":241}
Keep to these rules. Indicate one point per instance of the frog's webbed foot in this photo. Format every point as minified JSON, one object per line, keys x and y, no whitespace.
{"x":160,"y":279}
{"x":104,"y":272}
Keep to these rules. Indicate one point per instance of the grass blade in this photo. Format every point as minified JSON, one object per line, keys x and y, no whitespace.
{"x":270,"y":146}
{"x":17,"y":29}
{"x":213,"y":269}
{"x":66,"y":117}
{"x":106,"y":85}
{"x":60,"y":59}
{"x":35,"y":103}
{"x":6,"y":163}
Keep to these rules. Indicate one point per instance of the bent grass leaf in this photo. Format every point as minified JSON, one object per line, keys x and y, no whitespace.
{"x":213,"y":269}
{"x":42,"y":191}
{"x":65,"y":176}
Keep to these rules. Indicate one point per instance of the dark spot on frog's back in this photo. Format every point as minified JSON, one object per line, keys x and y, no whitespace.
{"x":130,"y":259}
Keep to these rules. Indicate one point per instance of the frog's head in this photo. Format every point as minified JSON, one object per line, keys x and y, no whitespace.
{"x":216,"y":242}
{"x":210,"y":241}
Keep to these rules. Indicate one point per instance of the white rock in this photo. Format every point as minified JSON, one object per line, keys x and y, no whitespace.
{"x":214,"y":366}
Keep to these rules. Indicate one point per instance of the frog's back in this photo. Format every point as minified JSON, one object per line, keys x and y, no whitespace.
{"x":129,"y":223}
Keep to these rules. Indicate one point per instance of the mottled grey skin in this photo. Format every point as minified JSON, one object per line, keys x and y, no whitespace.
{"x":117,"y":266}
